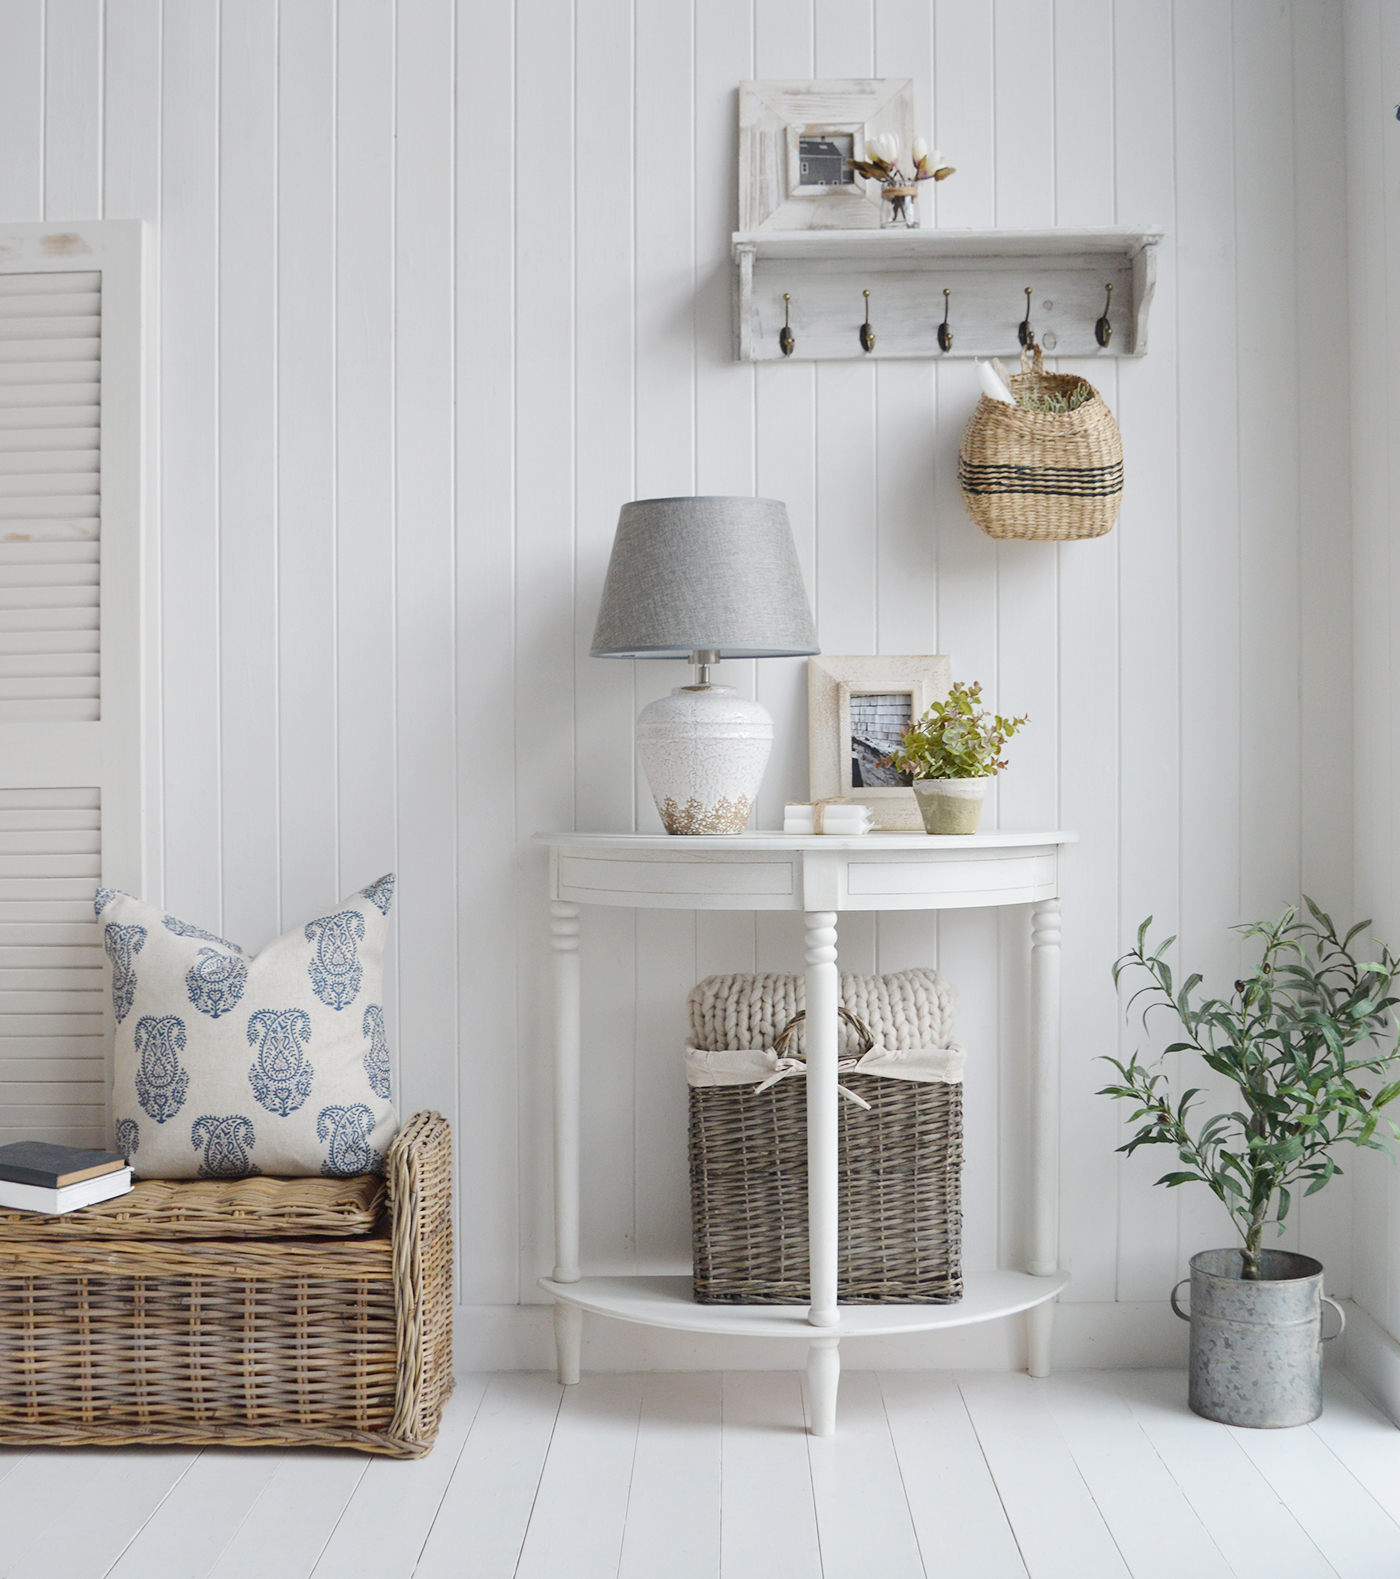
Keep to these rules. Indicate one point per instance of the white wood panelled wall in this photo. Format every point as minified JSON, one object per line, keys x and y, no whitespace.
{"x":1373,"y":150}
{"x":438,"y":289}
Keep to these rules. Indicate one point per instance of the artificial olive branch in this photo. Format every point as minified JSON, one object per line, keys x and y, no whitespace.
{"x":1285,"y":1039}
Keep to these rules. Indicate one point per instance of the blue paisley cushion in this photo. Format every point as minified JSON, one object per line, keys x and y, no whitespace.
{"x":229,"y":1064}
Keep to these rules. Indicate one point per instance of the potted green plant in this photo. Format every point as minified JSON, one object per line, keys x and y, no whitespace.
{"x":1305,"y":1039}
{"x":950,"y":753}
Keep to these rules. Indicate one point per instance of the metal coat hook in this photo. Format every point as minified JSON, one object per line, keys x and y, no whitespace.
{"x":1024,"y":333}
{"x":945,"y":334}
{"x":867,"y":334}
{"x":785,"y":339}
{"x":1103,"y":330}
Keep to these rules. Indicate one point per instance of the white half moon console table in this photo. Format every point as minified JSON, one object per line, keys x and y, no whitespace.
{"x":822,"y":876}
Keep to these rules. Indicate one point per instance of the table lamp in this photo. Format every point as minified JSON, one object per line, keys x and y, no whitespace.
{"x":704,"y":579}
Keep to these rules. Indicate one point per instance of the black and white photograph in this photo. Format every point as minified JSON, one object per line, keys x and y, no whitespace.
{"x":878,"y":722}
{"x":822,"y":158}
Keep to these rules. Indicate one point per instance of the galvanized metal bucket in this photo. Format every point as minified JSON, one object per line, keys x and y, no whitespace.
{"x":1256,"y":1346}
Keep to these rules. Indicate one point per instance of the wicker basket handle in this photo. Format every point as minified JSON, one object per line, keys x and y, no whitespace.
{"x":789,"y":1032}
{"x":1026,"y":351}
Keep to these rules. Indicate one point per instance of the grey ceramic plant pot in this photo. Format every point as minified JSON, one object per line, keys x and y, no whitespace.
{"x":1256,"y":1346}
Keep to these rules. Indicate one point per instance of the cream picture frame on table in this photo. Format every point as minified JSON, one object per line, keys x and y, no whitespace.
{"x":794,"y":139}
{"x":856,"y":709}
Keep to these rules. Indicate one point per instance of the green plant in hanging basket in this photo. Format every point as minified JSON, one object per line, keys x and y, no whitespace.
{"x":1298,"y":1035}
{"x":955,"y":739}
{"x":1055,"y":403}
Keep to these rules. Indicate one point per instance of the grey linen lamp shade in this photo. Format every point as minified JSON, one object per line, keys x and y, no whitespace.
{"x":695,"y":573}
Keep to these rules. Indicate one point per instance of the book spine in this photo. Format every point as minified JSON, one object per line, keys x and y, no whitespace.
{"x":35,"y":1178}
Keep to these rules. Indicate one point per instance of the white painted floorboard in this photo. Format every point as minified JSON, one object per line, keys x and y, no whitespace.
{"x":673,"y":1512}
{"x":768,"y":1519}
{"x":979,"y":1475}
{"x":481,"y":1525}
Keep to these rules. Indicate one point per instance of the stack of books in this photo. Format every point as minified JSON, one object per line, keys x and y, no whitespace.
{"x":38,"y":1177}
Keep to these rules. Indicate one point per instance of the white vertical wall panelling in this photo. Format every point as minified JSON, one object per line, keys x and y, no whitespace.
{"x":663,"y":310}
{"x":73,"y":87}
{"x":725,"y":462}
{"x":1088,"y":698}
{"x":1325,"y":538}
{"x":425,"y":484}
{"x":249,"y":528}
{"x":131,"y":149}
{"x":360,"y":703}
{"x":490,"y":1117}
{"x":965,"y":91}
{"x":906,"y":546}
{"x":21,"y":110}
{"x":1369,"y":319}
{"x":1383,"y":650}
{"x":1027,"y":637}
{"x":190,"y":461}
{"x":724,"y":459}
{"x":307,"y":383}
{"x":131,"y":103}
{"x":1373,"y":215}
{"x":1209,"y":525}
{"x":906,"y":611}
{"x":785,"y":462}
{"x":320,"y":490}
{"x":1149,"y":627}
{"x":545,"y":728}
{"x":665,"y":409}
{"x":604,"y":459}
{"x":844,"y":596}
{"x":1270,"y":593}
{"x":603,"y":412}
{"x":785,"y":433}
{"x":1325,"y":477}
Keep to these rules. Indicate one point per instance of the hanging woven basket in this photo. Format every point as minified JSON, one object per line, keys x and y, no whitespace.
{"x":1045,"y":476}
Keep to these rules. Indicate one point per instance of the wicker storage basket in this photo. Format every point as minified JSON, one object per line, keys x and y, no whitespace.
{"x":171,"y":1322}
{"x":1042,"y":475}
{"x":899,"y":1162}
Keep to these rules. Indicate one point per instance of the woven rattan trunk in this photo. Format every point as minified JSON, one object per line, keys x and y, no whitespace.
{"x":257,"y":1312}
{"x":899,"y":1164}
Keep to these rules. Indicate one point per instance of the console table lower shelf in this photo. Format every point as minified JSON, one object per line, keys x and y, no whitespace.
{"x":667,"y":1302}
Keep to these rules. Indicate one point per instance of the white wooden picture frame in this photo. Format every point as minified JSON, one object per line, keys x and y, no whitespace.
{"x":832,"y":683}
{"x":774,"y":117}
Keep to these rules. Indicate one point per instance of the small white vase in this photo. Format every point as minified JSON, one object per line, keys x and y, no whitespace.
{"x":950,"y":805}
{"x":703,"y":750}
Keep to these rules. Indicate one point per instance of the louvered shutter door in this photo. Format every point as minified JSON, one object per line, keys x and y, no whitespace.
{"x":70,"y":435}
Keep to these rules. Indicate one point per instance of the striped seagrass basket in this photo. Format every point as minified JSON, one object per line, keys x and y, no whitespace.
{"x":900,"y":1161}
{"x":1042,"y":475}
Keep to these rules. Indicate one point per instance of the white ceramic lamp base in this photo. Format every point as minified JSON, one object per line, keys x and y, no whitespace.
{"x":703,"y":750}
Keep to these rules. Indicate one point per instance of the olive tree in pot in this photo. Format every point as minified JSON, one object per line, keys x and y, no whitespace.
{"x":1305,"y":1038}
{"x":950,"y":753}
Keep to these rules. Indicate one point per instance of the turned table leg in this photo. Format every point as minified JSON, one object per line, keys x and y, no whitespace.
{"x":568,"y":1319}
{"x":1043,"y":1260}
{"x":823,"y":991}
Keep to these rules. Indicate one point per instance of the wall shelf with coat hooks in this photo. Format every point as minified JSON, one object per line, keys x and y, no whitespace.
{"x":972,"y":281}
